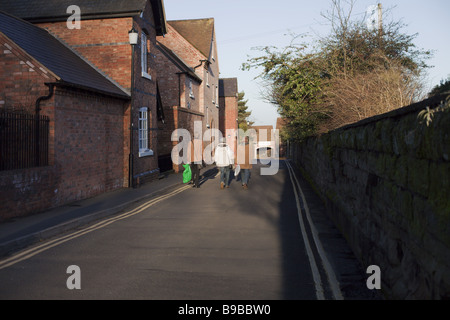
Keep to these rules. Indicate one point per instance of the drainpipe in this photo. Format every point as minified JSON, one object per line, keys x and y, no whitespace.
{"x":201,"y":62}
{"x":179,"y":89}
{"x":131,"y":156}
{"x":134,"y":39}
{"x":51,"y":90}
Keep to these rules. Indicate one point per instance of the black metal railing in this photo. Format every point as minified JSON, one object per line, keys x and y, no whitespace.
{"x":23,"y":141}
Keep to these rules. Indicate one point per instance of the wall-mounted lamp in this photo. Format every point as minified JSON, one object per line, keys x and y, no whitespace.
{"x":133,"y":35}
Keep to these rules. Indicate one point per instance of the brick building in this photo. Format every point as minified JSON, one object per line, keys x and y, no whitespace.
{"x":180,"y":91}
{"x":228,"y":111}
{"x":189,"y":78}
{"x":264,"y":144}
{"x":98,"y":97}
{"x":40,"y":75}
{"x":102,"y":40}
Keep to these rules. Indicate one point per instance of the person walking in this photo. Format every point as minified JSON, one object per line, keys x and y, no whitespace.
{"x":244,"y":160}
{"x":224,"y":161}
{"x":195,"y":152}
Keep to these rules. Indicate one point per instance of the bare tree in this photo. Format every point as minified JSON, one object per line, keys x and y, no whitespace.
{"x":351,"y":74}
{"x":370,"y":72}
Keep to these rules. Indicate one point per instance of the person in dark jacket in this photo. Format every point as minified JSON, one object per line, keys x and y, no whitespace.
{"x":195,"y":157}
{"x":244,"y":160}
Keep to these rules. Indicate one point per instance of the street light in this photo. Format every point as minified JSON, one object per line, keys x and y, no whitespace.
{"x":133,"y":36}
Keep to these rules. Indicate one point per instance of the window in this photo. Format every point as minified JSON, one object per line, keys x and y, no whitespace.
{"x":191,"y":90}
{"x":217,"y":96}
{"x":207,"y":78}
{"x":144,"y":56}
{"x":215,"y":99}
{"x":143,"y":133}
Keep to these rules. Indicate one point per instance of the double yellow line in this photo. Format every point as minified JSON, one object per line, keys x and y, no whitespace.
{"x":331,"y":276}
{"x":28,"y":253}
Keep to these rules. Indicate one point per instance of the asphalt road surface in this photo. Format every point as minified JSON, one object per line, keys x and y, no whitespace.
{"x":198,"y":244}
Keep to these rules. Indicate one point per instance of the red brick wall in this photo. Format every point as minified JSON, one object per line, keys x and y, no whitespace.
{"x":182,"y":48}
{"x":105,"y":43}
{"x":21,"y":84}
{"x":89,"y":144}
{"x":86,"y":139}
{"x":27,"y":191}
{"x":228,"y":115}
{"x":170,"y":84}
{"x":192,"y":57}
{"x":174,"y":89}
{"x":185,"y":120}
{"x":146,"y":168}
{"x":21,"y":78}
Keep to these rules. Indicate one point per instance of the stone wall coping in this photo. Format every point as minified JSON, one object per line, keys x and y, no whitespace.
{"x":431,"y":102}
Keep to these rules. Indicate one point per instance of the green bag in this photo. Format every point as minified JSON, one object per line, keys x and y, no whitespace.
{"x":187,"y":173}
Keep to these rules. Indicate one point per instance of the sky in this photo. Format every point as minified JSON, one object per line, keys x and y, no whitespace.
{"x":241,"y":26}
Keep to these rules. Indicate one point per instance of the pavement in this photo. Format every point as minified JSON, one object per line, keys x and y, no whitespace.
{"x":21,"y":232}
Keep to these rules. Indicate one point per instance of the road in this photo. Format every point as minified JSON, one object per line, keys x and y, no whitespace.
{"x":198,"y":244}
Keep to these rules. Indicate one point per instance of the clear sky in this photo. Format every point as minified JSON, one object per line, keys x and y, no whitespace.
{"x":242,"y":25}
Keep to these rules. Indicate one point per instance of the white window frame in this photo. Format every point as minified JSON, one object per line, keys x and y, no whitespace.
{"x":144,"y":149}
{"x":144,"y":57}
{"x":207,"y":78}
{"x":212,"y":50}
{"x":217,"y":96}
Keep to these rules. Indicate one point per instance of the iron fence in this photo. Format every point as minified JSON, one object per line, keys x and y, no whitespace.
{"x":23,"y":141}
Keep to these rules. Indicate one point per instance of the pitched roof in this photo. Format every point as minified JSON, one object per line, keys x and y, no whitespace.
{"x":176,"y":60}
{"x":198,"y":32}
{"x":56,"y":10}
{"x":41,"y":9}
{"x":228,"y":87}
{"x":62,"y":61}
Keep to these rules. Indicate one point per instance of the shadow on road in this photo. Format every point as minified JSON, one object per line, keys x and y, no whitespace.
{"x":347,"y":269}
{"x":272,"y":199}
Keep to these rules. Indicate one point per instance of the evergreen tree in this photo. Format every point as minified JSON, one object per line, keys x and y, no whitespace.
{"x":243,"y":114}
{"x":444,"y":86}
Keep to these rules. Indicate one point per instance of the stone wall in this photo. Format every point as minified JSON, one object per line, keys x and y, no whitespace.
{"x":386,"y":182}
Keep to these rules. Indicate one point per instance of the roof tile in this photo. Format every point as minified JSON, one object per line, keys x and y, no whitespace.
{"x":56,"y":56}
{"x":199,"y":33}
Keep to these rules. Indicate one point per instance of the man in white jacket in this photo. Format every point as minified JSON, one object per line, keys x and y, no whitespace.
{"x":224,"y":159}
